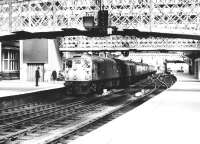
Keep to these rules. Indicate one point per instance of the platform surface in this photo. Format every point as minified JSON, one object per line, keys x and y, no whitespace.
{"x":16,"y":87}
{"x":172,"y":117}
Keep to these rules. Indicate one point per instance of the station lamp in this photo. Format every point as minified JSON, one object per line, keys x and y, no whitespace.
{"x":101,"y":28}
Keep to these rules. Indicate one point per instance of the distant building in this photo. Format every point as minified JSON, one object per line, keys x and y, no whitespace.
{"x":19,"y":59}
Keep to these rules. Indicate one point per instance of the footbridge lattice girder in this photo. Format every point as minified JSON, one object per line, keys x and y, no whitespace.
{"x":120,"y":43}
{"x":171,"y":16}
{"x":174,"y":16}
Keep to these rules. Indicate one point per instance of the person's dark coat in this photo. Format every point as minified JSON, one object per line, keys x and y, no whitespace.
{"x":37,"y":76}
{"x":54,"y":75}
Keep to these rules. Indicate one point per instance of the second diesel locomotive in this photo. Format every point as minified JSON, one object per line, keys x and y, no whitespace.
{"x":91,"y":74}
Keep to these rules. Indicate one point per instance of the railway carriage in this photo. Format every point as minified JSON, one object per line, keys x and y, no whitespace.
{"x":126,"y":71}
{"x":91,"y":74}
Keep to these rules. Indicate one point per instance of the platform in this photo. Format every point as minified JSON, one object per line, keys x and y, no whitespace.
{"x":172,"y":117}
{"x":17,"y":87}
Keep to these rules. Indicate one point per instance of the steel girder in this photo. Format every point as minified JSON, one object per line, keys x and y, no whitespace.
{"x":120,"y":43}
{"x":172,"y":16}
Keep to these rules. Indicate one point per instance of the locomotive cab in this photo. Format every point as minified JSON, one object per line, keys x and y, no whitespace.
{"x":78,"y":71}
{"x":90,"y":74}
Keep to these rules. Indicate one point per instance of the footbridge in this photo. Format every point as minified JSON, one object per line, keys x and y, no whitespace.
{"x":160,"y":16}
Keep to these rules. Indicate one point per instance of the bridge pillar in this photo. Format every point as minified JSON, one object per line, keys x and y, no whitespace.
{"x":0,"y":57}
{"x":23,"y":66}
{"x":192,"y":66}
{"x":197,"y":68}
{"x":54,"y":60}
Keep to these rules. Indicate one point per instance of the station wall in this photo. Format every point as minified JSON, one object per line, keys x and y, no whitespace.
{"x":43,"y":53}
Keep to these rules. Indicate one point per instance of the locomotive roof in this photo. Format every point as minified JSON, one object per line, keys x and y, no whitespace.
{"x":137,"y":63}
{"x":101,"y":59}
{"x":93,"y":57}
{"x":98,"y":58}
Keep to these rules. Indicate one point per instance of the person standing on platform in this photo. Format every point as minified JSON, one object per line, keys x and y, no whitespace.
{"x":54,"y":76}
{"x":37,"y":76}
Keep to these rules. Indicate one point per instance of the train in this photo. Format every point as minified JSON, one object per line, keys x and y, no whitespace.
{"x":86,"y":74}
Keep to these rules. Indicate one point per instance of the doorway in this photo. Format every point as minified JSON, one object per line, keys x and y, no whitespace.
{"x":31,"y":68}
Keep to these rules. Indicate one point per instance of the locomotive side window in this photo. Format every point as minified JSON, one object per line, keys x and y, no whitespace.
{"x":69,"y":64}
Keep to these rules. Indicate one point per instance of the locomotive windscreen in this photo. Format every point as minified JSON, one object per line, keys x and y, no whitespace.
{"x":77,"y":61}
{"x":69,"y":63}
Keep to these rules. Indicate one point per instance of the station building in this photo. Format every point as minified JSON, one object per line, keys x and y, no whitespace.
{"x":20,"y":59}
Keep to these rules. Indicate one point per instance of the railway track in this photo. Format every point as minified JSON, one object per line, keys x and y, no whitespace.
{"x":106,"y":117}
{"x":53,"y":122}
{"x":27,"y":119}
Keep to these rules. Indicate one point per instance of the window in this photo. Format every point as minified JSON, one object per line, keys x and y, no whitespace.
{"x":68,"y":64}
{"x":10,"y":60}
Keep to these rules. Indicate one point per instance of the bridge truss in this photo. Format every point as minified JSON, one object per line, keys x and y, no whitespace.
{"x":123,"y":43}
{"x":166,"y":16}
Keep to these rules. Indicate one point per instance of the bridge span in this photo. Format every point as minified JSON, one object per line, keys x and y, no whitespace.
{"x":127,"y":43}
{"x":163,"y":16}
{"x":166,"y":16}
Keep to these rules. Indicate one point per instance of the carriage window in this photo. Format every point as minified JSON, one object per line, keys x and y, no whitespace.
{"x":69,"y":64}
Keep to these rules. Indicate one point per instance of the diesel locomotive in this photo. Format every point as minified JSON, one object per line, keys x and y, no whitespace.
{"x":91,"y":74}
